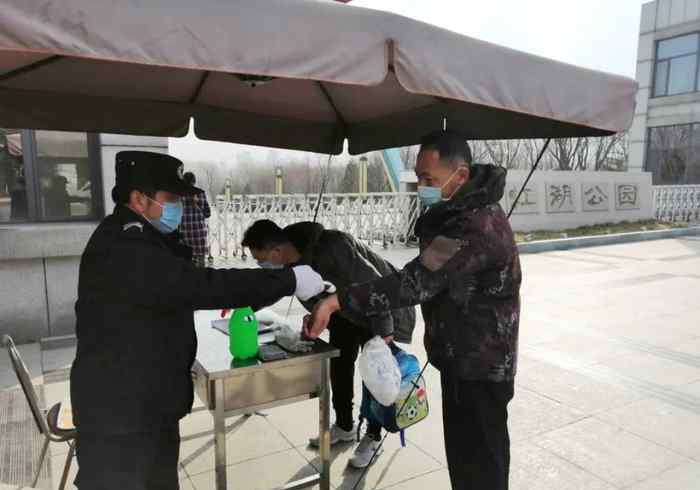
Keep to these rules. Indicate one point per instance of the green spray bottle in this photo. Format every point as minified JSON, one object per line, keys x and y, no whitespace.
{"x":243,"y":333}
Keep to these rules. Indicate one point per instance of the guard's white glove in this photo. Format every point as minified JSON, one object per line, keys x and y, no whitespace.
{"x":309,"y":282}
{"x":290,"y":340}
{"x":268,"y":317}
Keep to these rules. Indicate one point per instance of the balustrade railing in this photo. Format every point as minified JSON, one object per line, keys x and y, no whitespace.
{"x":677,"y":202}
{"x":377,"y":218}
{"x":385,"y":219}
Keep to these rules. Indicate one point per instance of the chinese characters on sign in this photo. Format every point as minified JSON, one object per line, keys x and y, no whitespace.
{"x":528,"y":202}
{"x":595,"y":196}
{"x":626,"y":196}
{"x":564,"y":197}
{"x":560,"y":198}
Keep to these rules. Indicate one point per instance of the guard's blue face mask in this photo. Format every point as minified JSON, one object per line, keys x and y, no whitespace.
{"x":267,"y":263}
{"x":170,"y":218}
{"x":429,"y":196}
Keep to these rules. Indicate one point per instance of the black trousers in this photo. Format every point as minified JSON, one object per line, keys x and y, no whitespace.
{"x":347,"y":338}
{"x":475,"y":422}
{"x":143,"y":461}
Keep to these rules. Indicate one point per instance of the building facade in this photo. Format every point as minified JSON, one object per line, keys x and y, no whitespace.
{"x":665,"y":135}
{"x":55,"y":187}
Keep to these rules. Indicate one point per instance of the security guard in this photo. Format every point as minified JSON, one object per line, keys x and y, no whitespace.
{"x":137,"y":292}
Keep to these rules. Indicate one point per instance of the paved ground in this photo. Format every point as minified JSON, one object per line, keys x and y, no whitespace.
{"x":608,"y":389}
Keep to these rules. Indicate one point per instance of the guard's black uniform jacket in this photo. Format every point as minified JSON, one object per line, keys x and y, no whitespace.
{"x":137,"y":293}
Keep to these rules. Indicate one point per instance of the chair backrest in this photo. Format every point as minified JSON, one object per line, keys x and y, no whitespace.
{"x":25,"y":380}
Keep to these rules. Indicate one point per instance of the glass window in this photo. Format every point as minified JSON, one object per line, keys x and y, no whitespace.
{"x":681,"y":77}
{"x":676,"y":66}
{"x":678,"y":46}
{"x":661,"y":78}
{"x":48,"y":176}
{"x":63,"y":169}
{"x":13,"y":182}
{"x":672,"y":154}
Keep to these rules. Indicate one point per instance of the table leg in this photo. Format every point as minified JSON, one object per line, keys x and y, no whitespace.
{"x":324,"y":429}
{"x":220,"y":435}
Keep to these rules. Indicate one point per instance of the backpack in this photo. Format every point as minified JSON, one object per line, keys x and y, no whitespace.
{"x":409,"y":408}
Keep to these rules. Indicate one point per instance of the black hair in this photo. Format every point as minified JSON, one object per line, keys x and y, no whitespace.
{"x":451,"y":146}
{"x":190,"y":178}
{"x":264,"y":234}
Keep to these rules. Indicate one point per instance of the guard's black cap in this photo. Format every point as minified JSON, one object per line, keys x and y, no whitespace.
{"x":146,"y":170}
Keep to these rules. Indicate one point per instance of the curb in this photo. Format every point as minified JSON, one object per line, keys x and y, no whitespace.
{"x":600,"y":240}
{"x":61,"y":342}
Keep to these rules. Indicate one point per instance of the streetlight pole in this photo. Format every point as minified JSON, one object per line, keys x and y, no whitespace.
{"x":363,"y":175}
{"x":279,"y":181}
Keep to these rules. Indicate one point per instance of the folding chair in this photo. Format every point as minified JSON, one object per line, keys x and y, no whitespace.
{"x":46,"y":421}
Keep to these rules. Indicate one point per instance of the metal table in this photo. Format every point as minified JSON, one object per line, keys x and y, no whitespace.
{"x":229,"y":388}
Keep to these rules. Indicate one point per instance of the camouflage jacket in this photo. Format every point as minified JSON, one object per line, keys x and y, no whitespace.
{"x":466,"y":278}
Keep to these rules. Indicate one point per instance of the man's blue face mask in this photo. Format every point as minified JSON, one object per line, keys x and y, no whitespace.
{"x":429,"y":196}
{"x":171,"y":217}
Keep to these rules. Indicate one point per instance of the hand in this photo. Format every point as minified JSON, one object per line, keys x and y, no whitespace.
{"x":309,"y":282}
{"x":322,"y":315}
{"x":306,"y":327}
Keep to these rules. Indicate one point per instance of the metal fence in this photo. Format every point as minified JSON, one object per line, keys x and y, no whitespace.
{"x":377,"y":218}
{"x":677,"y":202}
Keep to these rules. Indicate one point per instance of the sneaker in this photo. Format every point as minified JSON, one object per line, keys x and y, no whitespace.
{"x":337,"y":435}
{"x":364,"y":452}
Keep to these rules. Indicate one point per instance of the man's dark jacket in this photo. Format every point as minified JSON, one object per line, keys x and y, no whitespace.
{"x":467,"y":280}
{"x":342,"y":260}
{"x":137,"y":293}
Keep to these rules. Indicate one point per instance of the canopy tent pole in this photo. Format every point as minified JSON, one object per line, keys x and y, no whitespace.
{"x":323,"y":186}
{"x":318,"y":206}
{"x":532,"y":171}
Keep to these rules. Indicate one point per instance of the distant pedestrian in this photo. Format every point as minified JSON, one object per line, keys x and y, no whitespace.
{"x":194,"y":227}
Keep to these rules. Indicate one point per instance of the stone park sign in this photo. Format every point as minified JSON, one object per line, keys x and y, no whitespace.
{"x":560,"y":200}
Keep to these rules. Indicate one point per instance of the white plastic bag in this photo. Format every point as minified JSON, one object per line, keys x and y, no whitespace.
{"x":380,"y":371}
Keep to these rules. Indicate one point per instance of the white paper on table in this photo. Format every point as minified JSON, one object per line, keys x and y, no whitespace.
{"x":263,"y":338}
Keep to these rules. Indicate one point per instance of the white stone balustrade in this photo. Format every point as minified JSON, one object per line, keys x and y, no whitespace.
{"x":376,"y":218}
{"x":677,"y":202}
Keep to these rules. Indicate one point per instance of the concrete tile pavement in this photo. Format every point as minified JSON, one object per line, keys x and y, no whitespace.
{"x":607,"y":395}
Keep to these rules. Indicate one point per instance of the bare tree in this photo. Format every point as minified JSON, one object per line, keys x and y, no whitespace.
{"x":480,"y":152}
{"x":209,"y":179}
{"x":409,"y":155}
{"x":612,"y":152}
{"x":350,"y":183}
{"x":581,"y":155}
{"x":531,"y":150}
{"x":504,"y":153}
{"x":377,"y":180}
{"x":563,"y":151}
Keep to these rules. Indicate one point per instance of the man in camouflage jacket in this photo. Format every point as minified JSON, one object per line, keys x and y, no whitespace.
{"x":467,"y":281}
